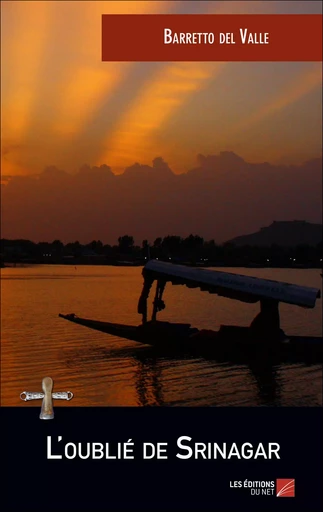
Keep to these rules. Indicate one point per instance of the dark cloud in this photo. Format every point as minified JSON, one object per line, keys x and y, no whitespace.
{"x":223,"y":197}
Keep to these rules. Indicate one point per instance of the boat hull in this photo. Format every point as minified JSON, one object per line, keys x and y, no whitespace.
{"x":229,"y":342}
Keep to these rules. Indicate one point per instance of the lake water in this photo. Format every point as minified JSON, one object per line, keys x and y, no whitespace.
{"x":102,"y":370}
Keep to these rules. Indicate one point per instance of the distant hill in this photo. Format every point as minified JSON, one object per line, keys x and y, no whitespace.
{"x":285,"y":234}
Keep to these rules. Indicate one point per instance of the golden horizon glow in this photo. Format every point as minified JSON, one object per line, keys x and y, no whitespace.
{"x":62,"y":106}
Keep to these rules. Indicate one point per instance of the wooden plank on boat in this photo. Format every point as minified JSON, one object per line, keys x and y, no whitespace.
{"x":233,"y":286}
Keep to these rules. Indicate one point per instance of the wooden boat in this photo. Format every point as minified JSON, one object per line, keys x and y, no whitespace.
{"x":263,"y":336}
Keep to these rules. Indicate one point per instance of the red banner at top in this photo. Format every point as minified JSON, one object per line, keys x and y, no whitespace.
{"x":211,"y":37}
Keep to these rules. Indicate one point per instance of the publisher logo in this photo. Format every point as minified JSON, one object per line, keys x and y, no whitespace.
{"x":285,"y":488}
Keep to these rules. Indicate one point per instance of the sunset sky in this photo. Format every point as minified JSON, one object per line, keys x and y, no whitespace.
{"x":62,"y":106}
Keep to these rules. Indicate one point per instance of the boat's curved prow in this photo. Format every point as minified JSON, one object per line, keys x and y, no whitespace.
{"x":229,"y":341}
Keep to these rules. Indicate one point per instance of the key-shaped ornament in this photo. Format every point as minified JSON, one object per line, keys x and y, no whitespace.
{"x":47,"y":409}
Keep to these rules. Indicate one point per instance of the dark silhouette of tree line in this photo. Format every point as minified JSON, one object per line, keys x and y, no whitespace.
{"x":193,"y":250}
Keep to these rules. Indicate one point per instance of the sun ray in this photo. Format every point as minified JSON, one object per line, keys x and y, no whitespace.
{"x":155,"y":104}
{"x":61,"y":104}
{"x":25,"y":30}
{"x":37,"y":43}
{"x":82,"y":94}
{"x":86,"y":86}
{"x":294,"y":92}
{"x":163,"y":96}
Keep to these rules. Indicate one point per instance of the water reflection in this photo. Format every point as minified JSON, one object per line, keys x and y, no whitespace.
{"x":102,"y":370}
{"x":148,"y":381}
{"x":266,"y":376}
{"x":263,"y":372}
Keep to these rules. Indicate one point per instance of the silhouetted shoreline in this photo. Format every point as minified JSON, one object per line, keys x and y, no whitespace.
{"x":192,"y":250}
{"x":210,"y":265}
